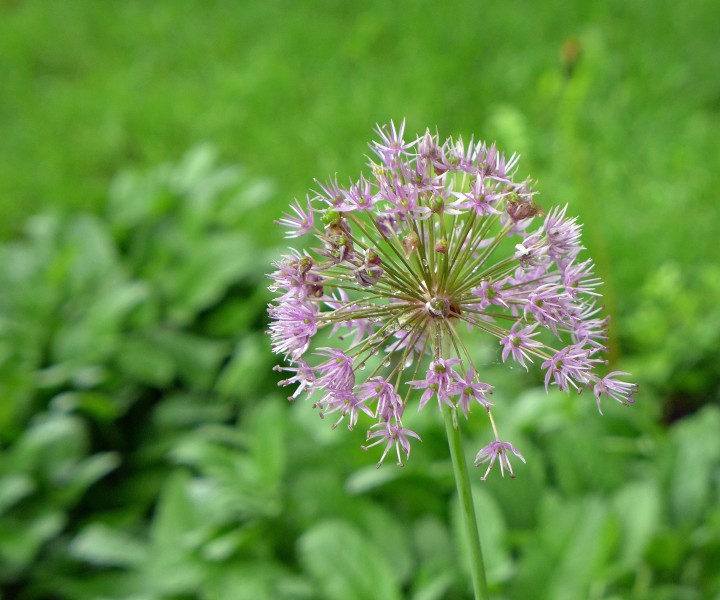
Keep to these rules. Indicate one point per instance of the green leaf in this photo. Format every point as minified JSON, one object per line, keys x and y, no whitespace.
{"x":188,"y":410}
{"x":144,"y":361}
{"x":238,"y":313}
{"x":196,"y":358}
{"x":242,"y":377}
{"x":388,"y":535}
{"x":432,"y":541}
{"x":14,"y":488}
{"x":698,"y":452}
{"x":256,"y":581}
{"x":235,"y":482}
{"x":175,"y":534}
{"x":668,"y":550}
{"x":574,"y":542}
{"x":175,"y":515}
{"x":319,"y":482}
{"x":202,"y":184}
{"x":21,"y":541}
{"x":92,"y":250}
{"x":639,"y":509}
{"x":91,"y":334}
{"x":431,"y":583}
{"x":243,"y":583}
{"x":203,"y":277}
{"x":493,"y":539}
{"x":53,"y":444}
{"x":268,"y":423}
{"x":96,"y":405}
{"x":584,"y":554}
{"x":86,"y":472}
{"x":578,"y":464}
{"x":100,"y":545}
{"x":345,"y":565}
{"x":369,"y":478}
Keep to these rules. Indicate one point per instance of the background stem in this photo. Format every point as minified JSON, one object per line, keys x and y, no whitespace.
{"x":462,"y":480}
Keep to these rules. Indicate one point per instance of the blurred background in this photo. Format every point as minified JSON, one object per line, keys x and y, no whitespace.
{"x":145,"y":149}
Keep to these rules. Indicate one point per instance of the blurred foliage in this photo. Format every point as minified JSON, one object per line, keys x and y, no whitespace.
{"x":673,"y":334}
{"x":144,"y":456}
{"x":114,"y":335}
{"x":145,"y":453}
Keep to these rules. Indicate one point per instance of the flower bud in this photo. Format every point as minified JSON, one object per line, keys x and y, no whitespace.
{"x":410,"y":243}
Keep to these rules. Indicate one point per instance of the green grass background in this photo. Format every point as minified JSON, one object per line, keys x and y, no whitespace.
{"x":292,"y":89}
{"x":615,"y":109}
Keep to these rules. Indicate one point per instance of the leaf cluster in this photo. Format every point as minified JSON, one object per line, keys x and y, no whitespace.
{"x":116,"y":334}
{"x":146,"y":454}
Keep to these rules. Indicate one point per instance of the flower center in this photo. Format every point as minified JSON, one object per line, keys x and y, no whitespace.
{"x":438,"y":307}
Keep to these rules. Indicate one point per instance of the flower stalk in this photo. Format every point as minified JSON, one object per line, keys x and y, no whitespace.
{"x":467,"y":507}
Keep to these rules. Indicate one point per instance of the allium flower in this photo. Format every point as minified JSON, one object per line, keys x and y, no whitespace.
{"x":497,"y":450}
{"x":294,"y":324}
{"x":395,"y":435}
{"x":299,"y":224}
{"x":619,"y":391}
{"x":518,"y":343}
{"x":438,"y":381}
{"x":468,"y":390}
{"x":435,"y":236}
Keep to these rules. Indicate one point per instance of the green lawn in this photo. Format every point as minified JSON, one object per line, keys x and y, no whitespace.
{"x":291,"y":90}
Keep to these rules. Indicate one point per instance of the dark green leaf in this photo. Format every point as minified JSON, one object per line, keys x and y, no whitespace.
{"x":345,"y":565}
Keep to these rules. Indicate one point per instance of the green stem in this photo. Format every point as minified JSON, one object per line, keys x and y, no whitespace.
{"x":462,"y":480}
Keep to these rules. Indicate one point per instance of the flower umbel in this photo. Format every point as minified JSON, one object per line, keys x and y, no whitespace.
{"x":437,"y":235}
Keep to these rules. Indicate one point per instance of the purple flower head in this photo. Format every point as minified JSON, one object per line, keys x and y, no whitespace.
{"x":402,"y":342}
{"x":358,"y":197}
{"x":491,"y":293}
{"x":531,"y":252}
{"x":358,"y":328}
{"x":330,"y":193}
{"x":468,"y":390}
{"x":519,"y":344}
{"x":569,"y":368}
{"x":579,"y":280}
{"x":610,"y":387}
{"x":435,"y":243}
{"x":391,"y":144}
{"x":480,"y":198}
{"x":463,"y":158}
{"x":563,"y":235}
{"x":336,"y":373}
{"x":437,"y":382}
{"x":294,"y":324}
{"x":296,"y":278}
{"x":388,"y":402}
{"x":588,"y":329}
{"x":496,"y":166}
{"x":497,"y":450}
{"x":346,"y":403}
{"x":300,"y":223}
{"x":521,"y":207}
{"x":404,"y":200}
{"x":392,"y":434}
{"x":548,"y":304}
{"x":304,"y":376}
